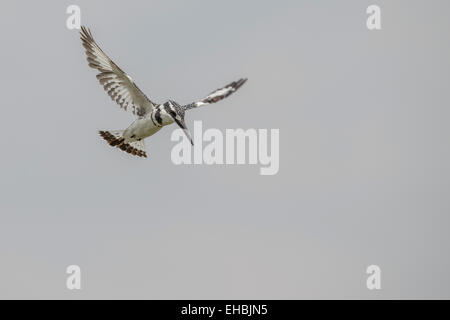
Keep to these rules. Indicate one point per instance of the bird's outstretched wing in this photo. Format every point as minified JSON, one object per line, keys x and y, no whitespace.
{"x":119,"y":86}
{"x":218,"y":94}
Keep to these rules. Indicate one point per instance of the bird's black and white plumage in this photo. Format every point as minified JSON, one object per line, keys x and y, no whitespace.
{"x":151,"y":116}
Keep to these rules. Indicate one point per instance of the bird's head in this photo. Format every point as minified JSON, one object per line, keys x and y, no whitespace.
{"x":172,"y":112}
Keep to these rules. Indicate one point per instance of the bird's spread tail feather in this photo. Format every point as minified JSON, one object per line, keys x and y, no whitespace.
{"x":116,"y":139}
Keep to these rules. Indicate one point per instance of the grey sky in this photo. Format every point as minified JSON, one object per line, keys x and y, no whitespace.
{"x":364,"y":152}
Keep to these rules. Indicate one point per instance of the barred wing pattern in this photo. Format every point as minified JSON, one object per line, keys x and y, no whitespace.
{"x":218,"y":94}
{"x":119,"y":86}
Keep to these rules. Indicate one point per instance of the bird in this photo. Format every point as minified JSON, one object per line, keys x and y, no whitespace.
{"x":151,"y":116}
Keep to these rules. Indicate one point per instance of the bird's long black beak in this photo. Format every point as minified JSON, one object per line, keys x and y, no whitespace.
{"x":183,"y":126}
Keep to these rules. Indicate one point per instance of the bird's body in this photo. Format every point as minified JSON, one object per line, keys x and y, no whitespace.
{"x":142,"y":128}
{"x":151,"y":116}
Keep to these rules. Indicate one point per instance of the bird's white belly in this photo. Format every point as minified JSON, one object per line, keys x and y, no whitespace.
{"x":141,"y":129}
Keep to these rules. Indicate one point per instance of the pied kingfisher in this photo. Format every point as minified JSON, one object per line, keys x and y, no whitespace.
{"x":151,"y":116}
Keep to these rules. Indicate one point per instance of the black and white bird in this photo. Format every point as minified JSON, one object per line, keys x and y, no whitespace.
{"x":151,"y":116}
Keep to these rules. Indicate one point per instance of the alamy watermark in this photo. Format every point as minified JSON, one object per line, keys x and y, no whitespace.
{"x":229,"y":149}
{"x":74,"y":279}
{"x":373,"y":281}
{"x":374,"y":19}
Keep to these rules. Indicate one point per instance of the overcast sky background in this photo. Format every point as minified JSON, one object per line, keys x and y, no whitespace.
{"x":364,"y":152}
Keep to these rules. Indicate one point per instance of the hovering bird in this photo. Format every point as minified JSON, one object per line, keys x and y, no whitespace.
{"x":151,"y":117}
